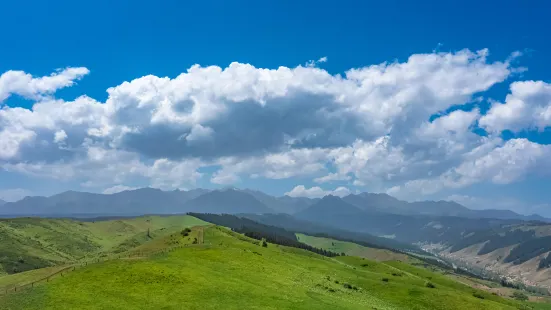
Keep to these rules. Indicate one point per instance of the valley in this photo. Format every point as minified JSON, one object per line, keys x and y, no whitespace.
{"x":507,"y":248}
{"x":227,"y":269}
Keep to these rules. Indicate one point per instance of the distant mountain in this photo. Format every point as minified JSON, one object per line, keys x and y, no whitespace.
{"x":388,"y":204}
{"x":297,"y":204}
{"x":2,"y":202}
{"x":132,"y":202}
{"x":284,"y":204}
{"x":156,"y":201}
{"x":329,"y":205}
{"x":377,"y":202}
{"x":335,"y":212}
{"x":439,"y":208}
{"x":226,"y":201}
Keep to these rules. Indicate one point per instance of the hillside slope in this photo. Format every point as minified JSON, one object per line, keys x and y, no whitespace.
{"x":352,"y":249}
{"x":231,"y":271}
{"x":29,"y":243}
{"x":521,"y":253}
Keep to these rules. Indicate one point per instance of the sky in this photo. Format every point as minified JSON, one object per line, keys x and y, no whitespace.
{"x":423,"y":101}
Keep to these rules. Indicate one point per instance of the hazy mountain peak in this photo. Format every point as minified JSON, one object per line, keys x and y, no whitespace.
{"x":150,"y":200}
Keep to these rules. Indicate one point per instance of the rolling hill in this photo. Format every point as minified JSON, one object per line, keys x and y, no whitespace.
{"x":30,"y":243}
{"x":374,"y":220}
{"x":230,"y":271}
{"x":294,"y":224}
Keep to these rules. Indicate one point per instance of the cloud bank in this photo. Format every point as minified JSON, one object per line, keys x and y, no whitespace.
{"x":407,"y":127}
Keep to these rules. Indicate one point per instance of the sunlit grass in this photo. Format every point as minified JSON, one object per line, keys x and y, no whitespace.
{"x":227,"y":272}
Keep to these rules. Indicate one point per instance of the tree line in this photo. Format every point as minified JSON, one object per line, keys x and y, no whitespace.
{"x":260,"y":231}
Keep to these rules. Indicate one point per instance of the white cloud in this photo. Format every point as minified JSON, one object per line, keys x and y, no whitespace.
{"x":369,"y":161}
{"x":283,"y":165}
{"x":332,"y":177}
{"x":24,"y":84}
{"x":369,"y":126}
{"x":313,"y":63}
{"x":199,"y":132}
{"x":118,"y":188}
{"x":528,"y":106}
{"x":10,"y":140}
{"x":317,"y":192}
{"x":508,"y":162}
{"x":60,"y":136}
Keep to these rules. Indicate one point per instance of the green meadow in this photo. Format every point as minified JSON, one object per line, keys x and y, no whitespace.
{"x":225,"y":270}
{"x":30,"y":243}
{"x":351,"y":249}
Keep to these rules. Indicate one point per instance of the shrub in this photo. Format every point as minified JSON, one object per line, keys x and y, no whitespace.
{"x":348,"y":286}
{"x":185,"y":232}
{"x":396,"y":274}
{"x":264,"y":244}
{"x":430,"y":285}
{"x":519,"y":296}
{"x":478,"y":295}
{"x":384,"y":279}
{"x":365,"y":265}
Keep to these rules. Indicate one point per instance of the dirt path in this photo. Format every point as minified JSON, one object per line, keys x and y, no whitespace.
{"x":201,"y":235}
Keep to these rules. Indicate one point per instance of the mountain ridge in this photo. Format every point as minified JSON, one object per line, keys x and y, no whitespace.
{"x":152,"y":201}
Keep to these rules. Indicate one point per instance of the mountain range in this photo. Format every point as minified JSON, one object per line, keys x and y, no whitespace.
{"x":231,"y":201}
{"x":483,"y":238}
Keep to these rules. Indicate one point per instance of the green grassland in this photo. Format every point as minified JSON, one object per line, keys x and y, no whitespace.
{"x":30,"y":243}
{"x":226,"y":270}
{"x":351,"y":249}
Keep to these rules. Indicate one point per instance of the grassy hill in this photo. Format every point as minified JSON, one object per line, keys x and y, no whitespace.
{"x":352,"y":249}
{"x":30,"y":243}
{"x":227,"y":270}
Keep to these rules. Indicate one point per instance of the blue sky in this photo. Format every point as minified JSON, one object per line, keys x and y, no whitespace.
{"x":300,"y":129}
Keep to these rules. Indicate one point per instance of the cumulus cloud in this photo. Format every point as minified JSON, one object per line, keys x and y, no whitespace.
{"x":117,"y":189}
{"x":60,"y":136}
{"x":502,"y":164}
{"x":332,"y":177}
{"x":528,"y":106}
{"x":282,"y":165}
{"x":25,"y":85}
{"x":317,"y":192}
{"x":380,"y":125}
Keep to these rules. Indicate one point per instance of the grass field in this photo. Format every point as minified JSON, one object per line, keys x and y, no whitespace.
{"x":230,"y":271}
{"x":351,"y":249}
{"x":30,"y":243}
